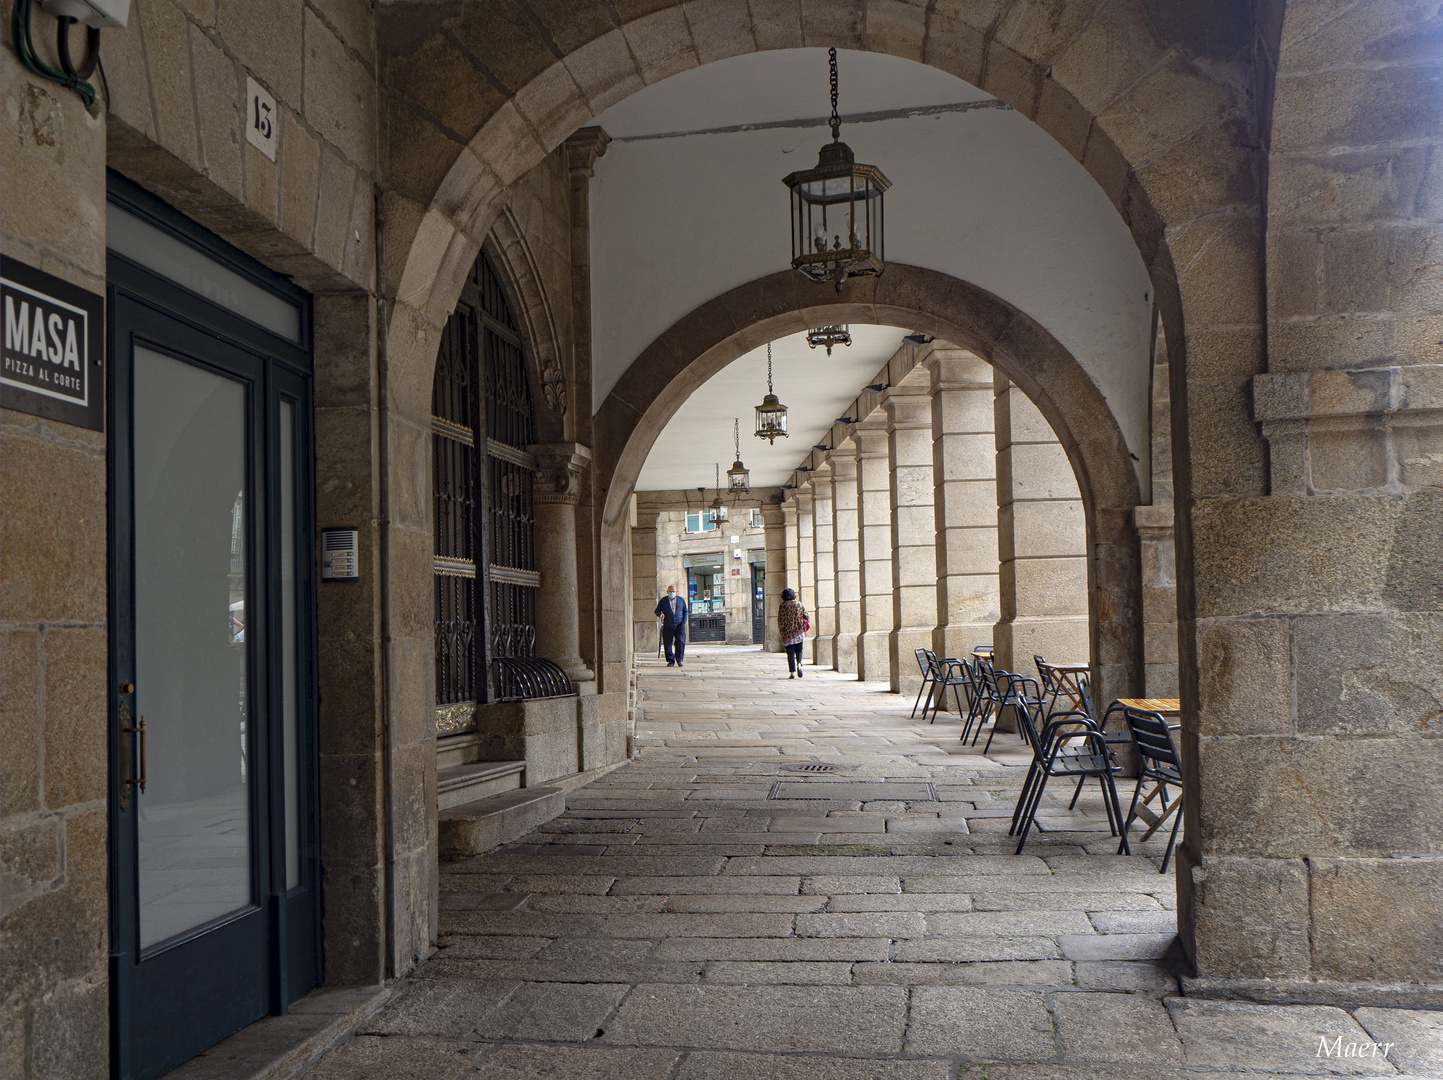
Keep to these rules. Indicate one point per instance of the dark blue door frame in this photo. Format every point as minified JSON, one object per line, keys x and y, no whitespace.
{"x":180,"y":996}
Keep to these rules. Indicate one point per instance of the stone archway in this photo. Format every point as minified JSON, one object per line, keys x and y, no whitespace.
{"x":697,"y":347}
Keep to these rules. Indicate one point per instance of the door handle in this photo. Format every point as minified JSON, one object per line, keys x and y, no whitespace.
{"x":126,"y":690}
{"x":139,"y":729}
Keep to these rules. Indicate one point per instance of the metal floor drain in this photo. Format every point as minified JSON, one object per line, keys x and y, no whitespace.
{"x":811,"y":767}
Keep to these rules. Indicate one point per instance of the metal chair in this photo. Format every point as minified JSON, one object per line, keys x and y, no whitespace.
{"x":1049,"y":685}
{"x":995,"y":685}
{"x":927,"y":661}
{"x":1055,"y":753}
{"x":951,"y":673}
{"x":1158,"y":762}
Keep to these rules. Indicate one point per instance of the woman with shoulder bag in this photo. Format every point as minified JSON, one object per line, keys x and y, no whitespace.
{"x":793,"y":624}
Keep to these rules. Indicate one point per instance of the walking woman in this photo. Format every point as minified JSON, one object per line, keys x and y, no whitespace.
{"x":793,"y":624}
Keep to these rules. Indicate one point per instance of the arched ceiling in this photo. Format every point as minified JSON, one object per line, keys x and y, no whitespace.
{"x":815,"y":387}
{"x":688,"y":202}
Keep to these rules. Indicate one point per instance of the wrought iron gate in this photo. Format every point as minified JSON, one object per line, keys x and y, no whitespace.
{"x":484,"y":487}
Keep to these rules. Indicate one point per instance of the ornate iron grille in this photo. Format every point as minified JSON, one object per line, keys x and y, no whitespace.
{"x":484,"y":502}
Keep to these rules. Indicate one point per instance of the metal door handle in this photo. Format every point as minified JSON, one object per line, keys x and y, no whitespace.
{"x":139,"y":729}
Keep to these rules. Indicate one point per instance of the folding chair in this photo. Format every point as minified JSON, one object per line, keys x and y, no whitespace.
{"x":1158,"y":762}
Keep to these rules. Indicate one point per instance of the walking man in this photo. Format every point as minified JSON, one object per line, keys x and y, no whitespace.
{"x":671,"y":610}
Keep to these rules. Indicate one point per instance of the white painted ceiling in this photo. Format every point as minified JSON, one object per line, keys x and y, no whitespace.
{"x":688,"y":202}
{"x":815,"y":388}
{"x":788,"y":85}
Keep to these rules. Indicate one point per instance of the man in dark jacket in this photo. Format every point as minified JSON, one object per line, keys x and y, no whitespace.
{"x":671,"y":609}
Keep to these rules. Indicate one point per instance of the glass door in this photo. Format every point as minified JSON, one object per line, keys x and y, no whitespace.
{"x":213,"y":878}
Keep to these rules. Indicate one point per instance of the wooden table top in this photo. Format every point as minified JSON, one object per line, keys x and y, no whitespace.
{"x":1153,"y":704}
{"x":1068,"y":667}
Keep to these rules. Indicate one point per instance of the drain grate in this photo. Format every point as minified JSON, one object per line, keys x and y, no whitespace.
{"x":811,"y":767}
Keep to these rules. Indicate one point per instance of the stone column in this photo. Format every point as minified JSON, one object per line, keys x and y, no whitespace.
{"x":1159,"y":599}
{"x":807,"y":561}
{"x":774,"y":521}
{"x":1041,"y":540}
{"x":846,"y":554}
{"x":964,"y":486}
{"x":1308,"y":555}
{"x":824,"y":620}
{"x":914,"y":529}
{"x":874,"y":530}
{"x":582,"y":149}
{"x":558,"y":484}
{"x":644,"y":586}
{"x":792,"y":544}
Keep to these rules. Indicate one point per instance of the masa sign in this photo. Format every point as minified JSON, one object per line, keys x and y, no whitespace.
{"x":53,"y":347}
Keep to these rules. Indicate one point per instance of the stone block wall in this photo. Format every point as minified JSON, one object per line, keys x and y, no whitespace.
{"x":1312,"y":609}
{"x":54,"y":984}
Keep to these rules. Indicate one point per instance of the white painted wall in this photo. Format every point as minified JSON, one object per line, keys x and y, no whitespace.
{"x":982,"y":194}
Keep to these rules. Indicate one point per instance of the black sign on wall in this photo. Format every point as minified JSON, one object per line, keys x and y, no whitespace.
{"x":54,"y":346}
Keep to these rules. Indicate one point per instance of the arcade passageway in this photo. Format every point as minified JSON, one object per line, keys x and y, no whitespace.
{"x":706,"y":912}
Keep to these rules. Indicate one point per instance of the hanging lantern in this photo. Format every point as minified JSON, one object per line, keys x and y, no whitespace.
{"x":738,"y":478}
{"x":837,"y":210}
{"x":718,"y":508}
{"x":829,"y":336}
{"x":771,"y":413}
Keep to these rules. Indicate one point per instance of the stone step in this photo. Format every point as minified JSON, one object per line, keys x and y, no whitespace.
{"x":457,"y":785}
{"x":479,"y":826}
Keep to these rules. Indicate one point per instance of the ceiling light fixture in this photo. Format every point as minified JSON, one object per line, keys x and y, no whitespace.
{"x":837,"y":199}
{"x":771,"y":413}
{"x":718,"y":507}
{"x":830,"y":336}
{"x":738,"y":479}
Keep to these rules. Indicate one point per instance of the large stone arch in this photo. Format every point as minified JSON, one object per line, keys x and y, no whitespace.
{"x":705,"y":341}
{"x":477,"y":95}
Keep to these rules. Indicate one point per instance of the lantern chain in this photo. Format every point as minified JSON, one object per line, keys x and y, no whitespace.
{"x":769,"y":367}
{"x":836,"y":120}
{"x":737,"y":436}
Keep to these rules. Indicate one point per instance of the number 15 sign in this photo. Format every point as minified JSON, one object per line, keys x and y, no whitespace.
{"x":263,"y":121}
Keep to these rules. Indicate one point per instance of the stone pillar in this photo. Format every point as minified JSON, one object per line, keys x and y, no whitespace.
{"x":874,"y":531}
{"x":846,"y":555}
{"x":1041,"y":540}
{"x":582,"y":149}
{"x":914,"y":529}
{"x":964,"y":486}
{"x":792,"y":543}
{"x":774,"y":521}
{"x":1159,"y":599}
{"x":807,"y":562}
{"x":824,"y":620}
{"x":645,"y":589}
{"x":1309,"y":559}
{"x":558,"y":485}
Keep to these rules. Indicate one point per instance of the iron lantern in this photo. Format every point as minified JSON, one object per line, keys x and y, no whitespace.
{"x":771,"y":413}
{"x":837,"y":223}
{"x":738,"y":478}
{"x":718,"y":507}
{"x":829,"y":336}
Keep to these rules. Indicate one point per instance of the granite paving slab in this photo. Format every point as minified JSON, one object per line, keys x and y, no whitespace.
{"x":679,"y":921}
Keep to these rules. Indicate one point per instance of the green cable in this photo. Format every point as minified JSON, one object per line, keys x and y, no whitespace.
{"x":25,"y":48}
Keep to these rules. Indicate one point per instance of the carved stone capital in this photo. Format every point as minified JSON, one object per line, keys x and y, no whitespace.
{"x":582,"y":150}
{"x":560,"y":465}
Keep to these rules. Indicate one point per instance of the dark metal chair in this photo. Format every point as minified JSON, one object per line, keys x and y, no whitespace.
{"x":996,"y":687}
{"x":927,"y":661}
{"x":1050,"y":686}
{"x":1068,"y":744}
{"x":950,"y":675}
{"x":1159,"y":763}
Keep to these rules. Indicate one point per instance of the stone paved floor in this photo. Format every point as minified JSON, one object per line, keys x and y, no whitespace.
{"x":681,"y":921}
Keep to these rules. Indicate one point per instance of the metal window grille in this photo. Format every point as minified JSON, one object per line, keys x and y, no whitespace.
{"x":484,"y":503}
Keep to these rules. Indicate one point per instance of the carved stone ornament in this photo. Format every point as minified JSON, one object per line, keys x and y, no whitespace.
{"x":559,"y":468}
{"x":553,"y":388}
